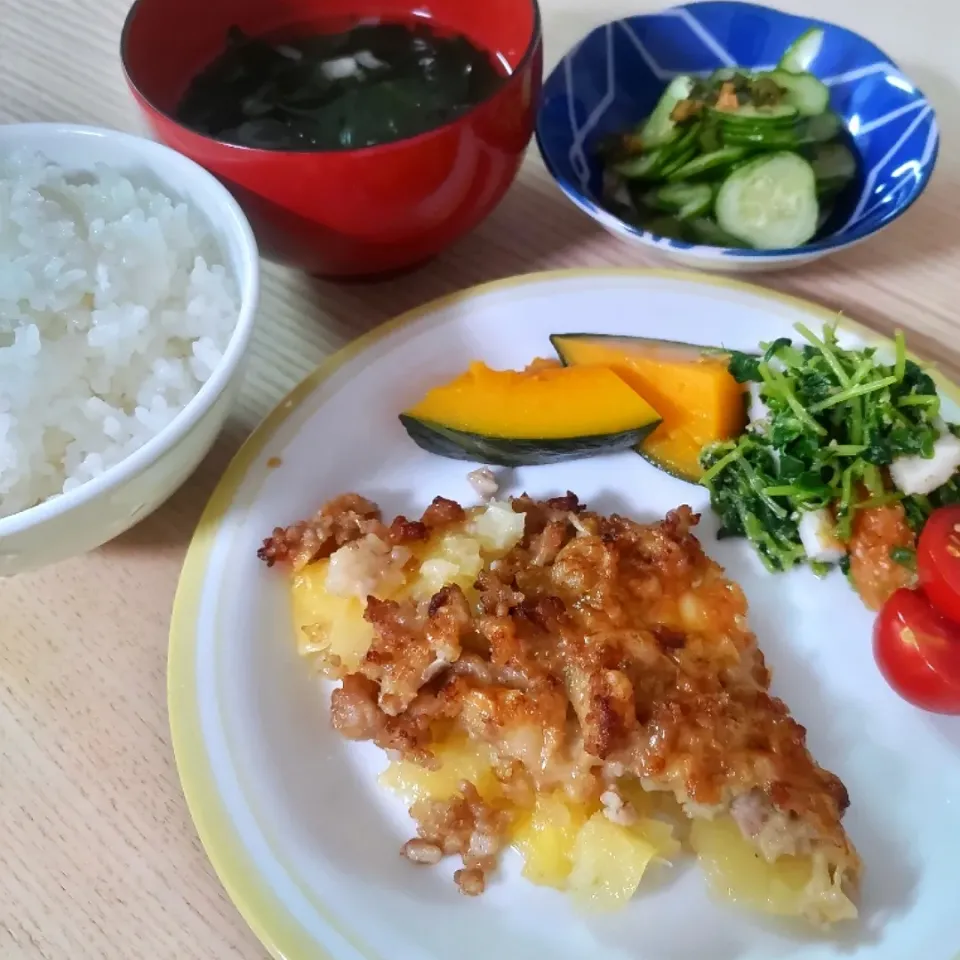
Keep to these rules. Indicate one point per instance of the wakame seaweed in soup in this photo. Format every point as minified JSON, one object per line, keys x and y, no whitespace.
{"x":373,"y":84}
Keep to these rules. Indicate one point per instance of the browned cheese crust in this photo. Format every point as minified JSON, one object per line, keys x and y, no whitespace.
{"x":597,"y":644}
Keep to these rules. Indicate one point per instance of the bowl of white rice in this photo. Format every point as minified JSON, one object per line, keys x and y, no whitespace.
{"x":129,"y":280}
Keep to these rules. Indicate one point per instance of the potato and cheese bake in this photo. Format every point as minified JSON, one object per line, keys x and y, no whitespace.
{"x":583,"y":688}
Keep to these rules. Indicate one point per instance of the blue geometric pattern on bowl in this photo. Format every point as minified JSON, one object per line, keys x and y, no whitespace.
{"x":613,"y":78}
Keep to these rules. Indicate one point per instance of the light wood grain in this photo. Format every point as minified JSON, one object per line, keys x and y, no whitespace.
{"x":98,"y":857}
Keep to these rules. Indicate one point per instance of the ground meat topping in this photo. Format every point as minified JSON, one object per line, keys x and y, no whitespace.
{"x":408,"y":650}
{"x":442,"y":513}
{"x":595,"y":644}
{"x":403,"y":531}
{"x":341,"y":521}
{"x":422,"y":851}
{"x":471,"y":882}
{"x":464,"y":826}
{"x":496,"y":597}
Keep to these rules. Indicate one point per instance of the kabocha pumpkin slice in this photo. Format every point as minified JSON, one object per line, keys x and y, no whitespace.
{"x":544,"y":414}
{"x":688,"y":385}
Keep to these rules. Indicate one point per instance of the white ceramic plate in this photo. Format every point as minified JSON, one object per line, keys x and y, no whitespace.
{"x":305,"y":841}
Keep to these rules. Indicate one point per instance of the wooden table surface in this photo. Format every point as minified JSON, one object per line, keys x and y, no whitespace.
{"x":98,"y":857}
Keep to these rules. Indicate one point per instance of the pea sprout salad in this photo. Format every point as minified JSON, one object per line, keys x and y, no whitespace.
{"x":741,"y":158}
{"x":833,"y":434}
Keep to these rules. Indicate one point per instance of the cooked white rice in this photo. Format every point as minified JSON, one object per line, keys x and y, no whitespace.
{"x":115,"y":307}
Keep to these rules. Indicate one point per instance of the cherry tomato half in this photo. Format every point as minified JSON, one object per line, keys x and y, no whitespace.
{"x":918,"y":652}
{"x":938,"y":561}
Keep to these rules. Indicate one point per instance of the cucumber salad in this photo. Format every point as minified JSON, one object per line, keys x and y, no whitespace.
{"x":738,"y":159}
{"x":843,"y":451}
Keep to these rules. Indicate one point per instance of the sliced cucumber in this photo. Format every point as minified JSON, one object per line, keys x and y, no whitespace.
{"x":799,"y":56}
{"x":770,"y":203}
{"x":686,"y":200}
{"x":833,"y":161}
{"x":681,"y":161}
{"x":776,"y":138}
{"x":820,"y":129}
{"x":705,"y":230}
{"x":681,"y":151}
{"x":782,"y":114}
{"x":660,"y":128}
{"x":644,"y":167}
{"x":710,"y":137}
{"x":699,"y":204}
{"x":802,"y":90}
{"x":709,"y":163}
{"x":762,"y":167}
{"x":686,"y":141}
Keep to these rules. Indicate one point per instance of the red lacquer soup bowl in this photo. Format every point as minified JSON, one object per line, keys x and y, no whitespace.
{"x":348,"y":212}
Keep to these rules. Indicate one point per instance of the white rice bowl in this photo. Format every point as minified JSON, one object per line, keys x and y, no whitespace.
{"x":115,"y":307}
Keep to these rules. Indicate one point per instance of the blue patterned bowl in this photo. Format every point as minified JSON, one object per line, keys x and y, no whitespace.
{"x":613,"y":78}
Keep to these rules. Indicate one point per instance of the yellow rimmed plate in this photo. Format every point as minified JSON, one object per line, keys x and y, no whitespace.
{"x":304,"y":840}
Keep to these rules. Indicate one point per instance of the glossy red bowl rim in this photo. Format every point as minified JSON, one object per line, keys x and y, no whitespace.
{"x":536,"y":39}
